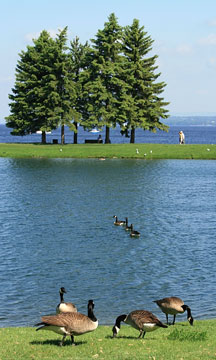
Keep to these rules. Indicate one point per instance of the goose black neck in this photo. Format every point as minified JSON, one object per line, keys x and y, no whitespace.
{"x":186,"y":307}
{"x":61,"y":297}
{"x":91,"y":314}
{"x":119,"y":319}
{"x":188,"y":312}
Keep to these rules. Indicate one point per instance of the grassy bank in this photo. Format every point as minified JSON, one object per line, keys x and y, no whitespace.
{"x":181,"y":341}
{"x":142,"y":151}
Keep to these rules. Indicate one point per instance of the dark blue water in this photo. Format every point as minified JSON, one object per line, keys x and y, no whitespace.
{"x":193,"y":134}
{"x":56,"y":229}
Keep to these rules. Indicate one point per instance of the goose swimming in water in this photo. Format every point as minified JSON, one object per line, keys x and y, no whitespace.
{"x":133,"y":232}
{"x":127,"y":228}
{"x":118,"y":222}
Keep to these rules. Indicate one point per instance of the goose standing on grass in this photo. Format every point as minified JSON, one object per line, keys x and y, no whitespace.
{"x":173,"y":306}
{"x":127,"y":228}
{"x":142,"y":320}
{"x":134,"y":233}
{"x":63,"y":307}
{"x":70,"y":324}
{"x":118,"y":222}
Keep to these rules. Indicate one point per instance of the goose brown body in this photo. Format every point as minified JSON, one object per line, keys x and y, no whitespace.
{"x":70,"y":324}
{"x":142,"y":320}
{"x":172,"y":306}
{"x":134,"y":233}
{"x":118,"y":222}
{"x":63,"y":306}
{"x":127,"y":228}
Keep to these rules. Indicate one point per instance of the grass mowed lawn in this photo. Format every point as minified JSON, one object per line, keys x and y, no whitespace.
{"x":139,"y":151}
{"x":181,"y":341}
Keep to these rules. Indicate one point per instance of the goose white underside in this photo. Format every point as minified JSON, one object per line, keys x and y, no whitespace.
{"x":56,"y":329}
{"x":150,"y":327}
{"x":62,"y":330}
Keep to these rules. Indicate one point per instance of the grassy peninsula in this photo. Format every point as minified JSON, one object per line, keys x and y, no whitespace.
{"x":181,"y":341}
{"x":138,"y":151}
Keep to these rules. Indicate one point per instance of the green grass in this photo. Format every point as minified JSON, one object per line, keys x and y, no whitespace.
{"x":181,"y":341}
{"x":146,"y":151}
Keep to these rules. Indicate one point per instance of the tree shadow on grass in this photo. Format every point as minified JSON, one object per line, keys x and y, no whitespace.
{"x":57,"y":342}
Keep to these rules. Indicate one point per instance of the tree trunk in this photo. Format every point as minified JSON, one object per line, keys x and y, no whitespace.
{"x":107,"y":139}
{"x":75,"y":133}
{"x":132,"y":137}
{"x":62,"y":134}
{"x":43,"y":137}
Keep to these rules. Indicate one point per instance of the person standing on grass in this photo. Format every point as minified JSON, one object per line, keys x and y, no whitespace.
{"x":181,"y":138}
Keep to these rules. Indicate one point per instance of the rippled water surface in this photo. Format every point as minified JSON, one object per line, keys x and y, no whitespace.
{"x":56,"y":229}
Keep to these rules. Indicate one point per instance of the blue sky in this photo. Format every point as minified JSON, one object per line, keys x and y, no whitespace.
{"x":184,"y":34}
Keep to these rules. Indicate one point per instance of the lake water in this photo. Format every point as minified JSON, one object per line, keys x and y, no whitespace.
{"x":195,"y":134}
{"x":56,"y":229}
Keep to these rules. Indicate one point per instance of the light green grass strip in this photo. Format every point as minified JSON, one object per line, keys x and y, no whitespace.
{"x":139,"y":151}
{"x":181,"y":341}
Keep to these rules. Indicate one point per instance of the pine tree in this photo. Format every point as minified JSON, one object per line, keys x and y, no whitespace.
{"x":141,"y":103}
{"x":34,"y":100}
{"x":63,"y":73}
{"x":78,"y":64}
{"x":101,"y":81}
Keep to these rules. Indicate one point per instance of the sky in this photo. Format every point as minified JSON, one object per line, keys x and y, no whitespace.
{"x":184,"y":34}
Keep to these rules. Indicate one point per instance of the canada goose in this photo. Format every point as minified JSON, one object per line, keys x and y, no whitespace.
{"x":141,"y":320}
{"x":63,"y":307}
{"x":70,"y":323}
{"x":173,"y":306}
{"x":134,"y":233}
{"x":127,"y":228}
{"x":118,"y":222}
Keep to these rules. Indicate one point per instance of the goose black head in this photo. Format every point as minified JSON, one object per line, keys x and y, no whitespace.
{"x":189,"y":316}
{"x":115,"y":331}
{"x":91,"y":304}
{"x":63,"y":291}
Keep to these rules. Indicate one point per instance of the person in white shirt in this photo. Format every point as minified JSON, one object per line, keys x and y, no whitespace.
{"x":181,"y":137}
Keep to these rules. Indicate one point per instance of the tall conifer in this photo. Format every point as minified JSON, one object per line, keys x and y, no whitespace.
{"x":77,"y":56}
{"x":65,"y":86}
{"x":141,"y":103}
{"x":101,"y":79}
{"x":34,"y":102}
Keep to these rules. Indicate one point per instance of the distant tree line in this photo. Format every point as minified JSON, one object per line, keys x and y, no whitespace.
{"x":110,"y":82}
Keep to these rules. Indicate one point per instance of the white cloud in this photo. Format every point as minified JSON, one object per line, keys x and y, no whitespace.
{"x":208,"y":40}
{"x":184,"y":49}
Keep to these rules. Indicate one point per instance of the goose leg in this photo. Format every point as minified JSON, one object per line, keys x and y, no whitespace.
{"x":143,"y":334}
{"x":72,"y":340}
{"x":61,"y":342}
{"x":174,"y":319}
{"x":167,"y":319}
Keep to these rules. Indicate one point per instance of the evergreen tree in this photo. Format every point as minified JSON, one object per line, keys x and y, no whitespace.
{"x":141,"y":105}
{"x":63,"y":73}
{"x":101,"y":81}
{"x":34,"y":100}
{"x":78,"y":64}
